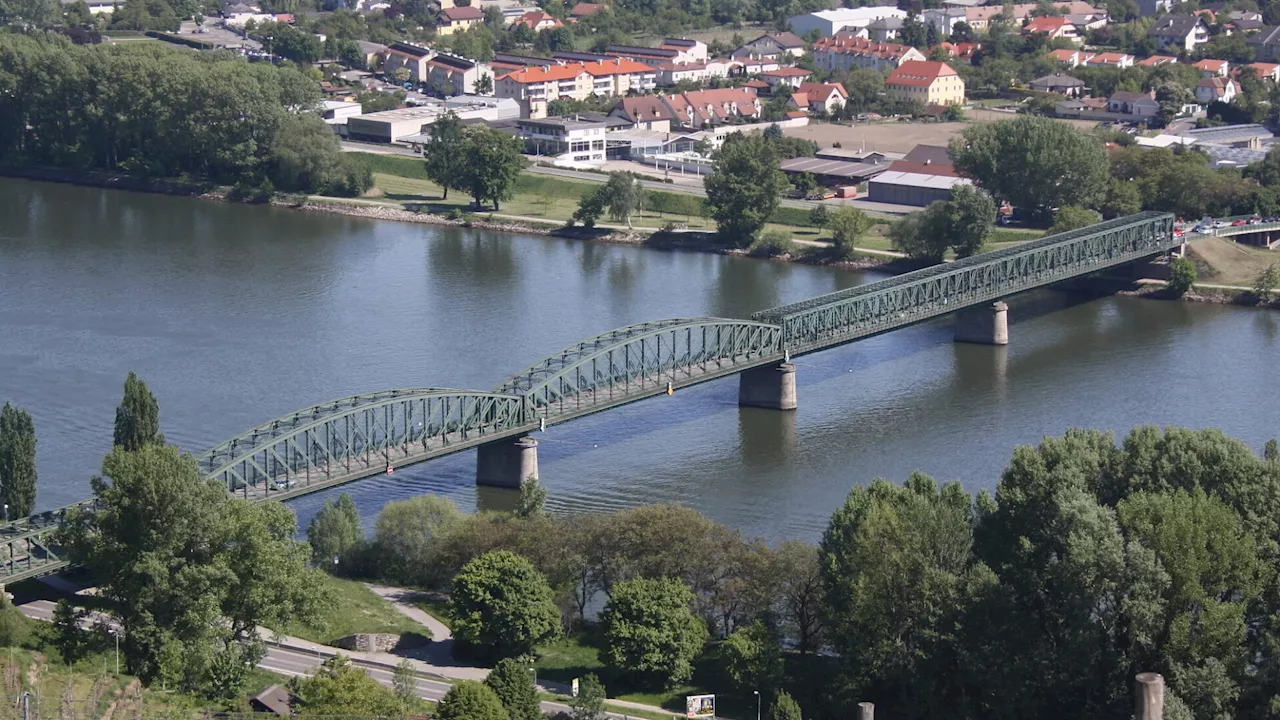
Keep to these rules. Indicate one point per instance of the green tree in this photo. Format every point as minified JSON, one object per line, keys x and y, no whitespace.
{"x":408,"y":538}
{"x":13,"y":624}
{"x":443,"y":153}
{"x":340,"y":689}
{"x":848,"y":225}
{"x":189,"y":572}
{"x":305,"y":155}
{"x":752,"y":659}
{"x":1073,"y":217}
{"x":533,"y":499}
{"x":799,"y":576}
{"x":1182,"y":275}
{"x":512,"y":682}
{"x":589,"y":703}
{"x":470,"y":700}
{"x":1264,"y":284}
{"x":492,"y":162}
{"x":773,"y":243}
{"x":405,"y":682}
{"x":17,"y":461}
{"x":970,"y":215}
{"x":591,"y":206}
{"x":137,"y":417}
{"x":649,"y":631}
{"x":502,"y":606}
{"x":785,"y":707}
{"x":67,"y":635}
{"x":897,"y":567}
{"x":743,"y":191}
{"x":1033,"y":163}
{"x":624,"y":195}
{"x":334,"y":531}
{"x":819,"y":216}
{"x":921,"y":235}
{"x":483,"y":85}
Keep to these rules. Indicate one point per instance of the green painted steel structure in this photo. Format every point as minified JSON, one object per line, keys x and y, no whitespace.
{"x":347,"y":439}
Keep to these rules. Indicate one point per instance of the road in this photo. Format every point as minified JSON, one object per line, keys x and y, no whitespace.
{"x":300,"y":663}
{"x":878,"y":210}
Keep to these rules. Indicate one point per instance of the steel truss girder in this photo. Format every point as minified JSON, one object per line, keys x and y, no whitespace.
{"x":642,"y":360}
{"x":358,"y":436}
{"x":866,"y":310}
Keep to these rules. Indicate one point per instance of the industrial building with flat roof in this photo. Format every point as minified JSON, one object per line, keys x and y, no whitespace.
{"x":912,"y":188}
{"x":393,"y":125}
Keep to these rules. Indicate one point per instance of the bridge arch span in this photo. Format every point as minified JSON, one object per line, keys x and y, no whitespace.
{"x":642,"y":360}
{"x":353,"y":437}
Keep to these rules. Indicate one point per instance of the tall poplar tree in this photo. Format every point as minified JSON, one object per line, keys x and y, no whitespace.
{"x":137,"y":417}
{"x":17,"y":461}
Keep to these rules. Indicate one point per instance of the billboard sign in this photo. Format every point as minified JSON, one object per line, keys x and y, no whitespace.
{"x":699,"y":706}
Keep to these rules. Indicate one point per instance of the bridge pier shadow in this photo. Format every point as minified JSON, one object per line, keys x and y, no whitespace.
{"x":766,"y":437}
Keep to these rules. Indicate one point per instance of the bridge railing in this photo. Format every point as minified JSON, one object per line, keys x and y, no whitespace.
{"x":944,"y":288}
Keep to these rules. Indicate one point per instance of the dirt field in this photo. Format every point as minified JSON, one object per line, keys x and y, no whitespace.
{"x":1235,"y":264}
{"x":902,"y":136}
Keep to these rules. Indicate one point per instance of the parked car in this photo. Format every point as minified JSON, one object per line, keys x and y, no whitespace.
{"x":1239,"y":223}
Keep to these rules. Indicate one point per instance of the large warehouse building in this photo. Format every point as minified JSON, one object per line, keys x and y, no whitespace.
{"x":391,"y":125}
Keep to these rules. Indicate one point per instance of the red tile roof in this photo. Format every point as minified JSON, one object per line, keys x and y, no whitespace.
{"x":587,"y":9}
{"x":600,"y":68}
{"x":1210,"y":65}
{"x":822,"y":90}
{"x":787,"y":72}
{"x":850,"y":44}
{"x":1045,"y":25}
{"x":1156,"y":60}
{"x":919,"y":73}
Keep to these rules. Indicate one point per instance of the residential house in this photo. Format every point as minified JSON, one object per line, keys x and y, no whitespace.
{"x":819,"y":97}
{"x":1179,"y":32}
{"x":845,"y":51}
{"x":1052,"y":28}
{"x":452,"y":75}
{"x":1265,"y":71}
{"x":1110,"y":59}
{"x":585,"y":10}
{"x":1151,"y":7}
{"x":537,"y":20}
{"x":1216,"y":89}
{"x":413,"y":57}
{"x":962,"y":51}
{"x":929,"y":83}
{"x":1266,"y":44}
{"x":1244,"y":26}
{"x":884,"y":29}
{"x":646,"y":112}
{"x":1085,"y":22}
{"x":457,"y":19}
{"x":1074,"y":58}
{"x":640,"y":53}
{"x":944,"y":19}
{"x":1139,"y":106}
{"x":772,"y":46}
{"x":719,"y":67}
{"x":1058,"y":83}
{"x":828,"y":23}
{"x":535,"y":87}
{"x":275,"y":699}
{"x":980,"y":18}
{"x":789,"y":76}
{"x":690,"y":51}
{"x":1156,"y":61}
{"x":702,"y":108}
{"x":235,"y":13}
{"x":571,"y":138}
{"x":1213,"y":68}
{"x":371,"y":52}
{"x":675,"y":73}
{"x":745,"y":67}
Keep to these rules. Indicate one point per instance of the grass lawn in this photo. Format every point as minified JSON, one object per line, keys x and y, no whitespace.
{"x":436,"y":607}
{"x":353,"y":608}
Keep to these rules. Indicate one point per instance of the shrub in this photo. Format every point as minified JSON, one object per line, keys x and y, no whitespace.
{"x":1182,"y":275}
{"x":773,"y":243}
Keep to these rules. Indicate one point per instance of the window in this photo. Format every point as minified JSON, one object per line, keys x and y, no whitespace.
{"x":580,"y":147}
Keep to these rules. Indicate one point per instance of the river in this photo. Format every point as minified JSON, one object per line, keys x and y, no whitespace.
{"x":237,"y":314}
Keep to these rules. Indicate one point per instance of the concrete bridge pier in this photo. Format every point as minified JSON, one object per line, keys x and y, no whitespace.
{"x":987,"y":325}
{"x":507,"y":463}
{"x":772,"y":387}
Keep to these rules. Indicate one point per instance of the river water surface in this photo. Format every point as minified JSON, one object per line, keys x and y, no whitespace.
{"x":237,"y":314}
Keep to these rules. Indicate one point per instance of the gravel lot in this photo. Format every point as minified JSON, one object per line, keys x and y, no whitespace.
{"x":901,"y":136}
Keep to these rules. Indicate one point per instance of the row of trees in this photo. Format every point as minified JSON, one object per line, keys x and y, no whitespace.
{"x":155,"y":111}
{"x":1093,"y":560}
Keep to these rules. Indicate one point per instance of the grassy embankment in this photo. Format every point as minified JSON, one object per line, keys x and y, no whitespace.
{"x":353,"y":608}
{"x":1222,"y":261}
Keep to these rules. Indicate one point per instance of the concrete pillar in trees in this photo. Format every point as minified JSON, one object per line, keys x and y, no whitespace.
{"x":507,"y":463}
{"x":985,"y":324}
{"x":1149,"y":696}
{"x":866,"y":711}
{"x":772,"y":387}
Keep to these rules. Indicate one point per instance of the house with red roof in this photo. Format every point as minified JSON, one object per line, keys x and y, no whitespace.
{"x":1265,"y":71}
{"x":819,"y":97}
{"x":1110,"y":59}
{"x":457,"y":19}
{"x":1052,"y":28}
{"x":1216,"y":89}
{"x":1156,"y":61}
{"x":788,"y":76}
{"x":1073,"y":58}
{"x":1213,"y":68}
{"x":585,"y":9}
{"x":702,"y":108}
{"x":535,"y":87}
{"x":846,"y":50}
{"x":537,"y":20}
{"x":928,"y":83}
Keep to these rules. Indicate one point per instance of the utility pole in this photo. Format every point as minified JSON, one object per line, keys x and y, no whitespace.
{"x":757,"y":694}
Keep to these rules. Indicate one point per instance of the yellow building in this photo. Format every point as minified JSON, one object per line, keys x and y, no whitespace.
{"x":457,"y":19}
{"x":929,"y":83}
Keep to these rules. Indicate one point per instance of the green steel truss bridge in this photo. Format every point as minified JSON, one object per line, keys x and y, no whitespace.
{"x":343,"y":440}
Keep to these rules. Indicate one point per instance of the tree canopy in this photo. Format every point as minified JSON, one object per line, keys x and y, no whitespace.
{"x":470,"y":700}
{"x":17,"y":461}
{"x":744,"y":189}
{"x":502,"y":606}
{"x":650,"y":632}
{"x":512,"y":682}
{"x":138,"y":416}
{"x":339,"y":689}
{"x":334,"y":531}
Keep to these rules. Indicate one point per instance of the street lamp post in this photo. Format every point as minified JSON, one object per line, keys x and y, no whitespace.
{"x":757,"y":694}
{"x":117,"y":634}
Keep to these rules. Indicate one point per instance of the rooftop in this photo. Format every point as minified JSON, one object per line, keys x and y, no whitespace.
{"x":1227,"y":135}
{"x":920,"y":73}
{"x":835,"y":168}
{"x":910,"y":179}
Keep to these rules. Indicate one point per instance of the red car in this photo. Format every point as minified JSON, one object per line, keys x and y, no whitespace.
{"x":1238,"y":223}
